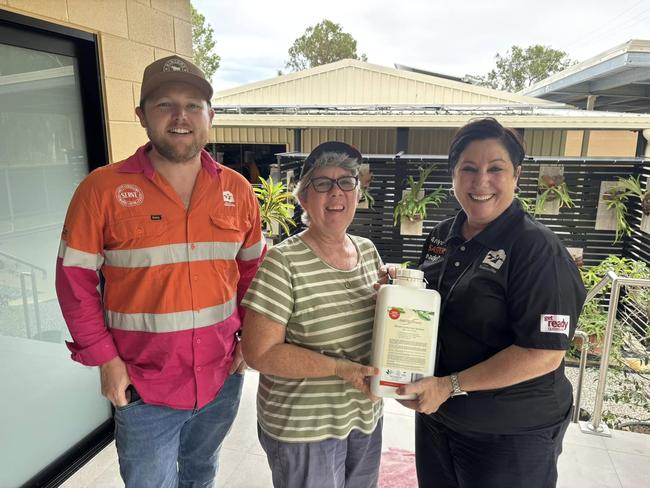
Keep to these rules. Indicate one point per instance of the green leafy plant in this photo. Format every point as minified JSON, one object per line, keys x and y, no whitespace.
{"x":617,"y":200}
{"x":593,"y":319}
{"x":414,"y":207}
{"x":275,"y":205}
{"x":627,"y":348}
{"x":364,"y":193}
{"x":365,"y":178}
{"x":527,"y":204}
{"x":551,"y":188}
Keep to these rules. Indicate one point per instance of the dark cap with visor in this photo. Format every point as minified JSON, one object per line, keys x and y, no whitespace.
{"x":174,"y":69}
{"x":325,"y":147}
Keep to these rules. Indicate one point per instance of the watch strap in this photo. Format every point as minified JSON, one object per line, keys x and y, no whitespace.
{"x":455,"y":385}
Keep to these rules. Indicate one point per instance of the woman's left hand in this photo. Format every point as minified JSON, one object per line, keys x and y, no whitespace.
{"x":431,"y":392}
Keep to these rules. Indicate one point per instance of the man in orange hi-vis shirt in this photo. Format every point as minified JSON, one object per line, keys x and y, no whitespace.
{"x":177,"y":238}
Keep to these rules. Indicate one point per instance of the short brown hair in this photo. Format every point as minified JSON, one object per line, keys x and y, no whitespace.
{"x":487,"y":128}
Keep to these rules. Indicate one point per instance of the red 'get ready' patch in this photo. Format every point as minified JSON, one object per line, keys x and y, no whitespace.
{"x":555,"y":324}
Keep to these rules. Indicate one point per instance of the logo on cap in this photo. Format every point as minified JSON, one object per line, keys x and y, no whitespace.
{"x":175,"y":64}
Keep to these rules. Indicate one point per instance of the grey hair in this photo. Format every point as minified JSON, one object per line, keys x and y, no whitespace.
{"x":325,"y":160}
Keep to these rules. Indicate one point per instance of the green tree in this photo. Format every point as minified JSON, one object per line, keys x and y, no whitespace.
{"x":519,"y":68}
{"x":203,"y":44}
{"x":322,"y":43}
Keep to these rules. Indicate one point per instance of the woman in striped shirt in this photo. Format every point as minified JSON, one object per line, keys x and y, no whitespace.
{"x":308,"y":330}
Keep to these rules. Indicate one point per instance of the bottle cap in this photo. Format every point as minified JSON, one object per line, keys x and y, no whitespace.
{"x":410,"y":274}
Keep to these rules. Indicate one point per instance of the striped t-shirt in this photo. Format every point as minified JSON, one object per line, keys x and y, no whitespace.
{"x":326,"y":310}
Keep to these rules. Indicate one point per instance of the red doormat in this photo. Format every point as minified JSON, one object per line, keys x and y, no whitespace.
{"x":397,"y":469}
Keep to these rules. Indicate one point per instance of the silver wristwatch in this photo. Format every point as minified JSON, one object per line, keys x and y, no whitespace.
{"x":455,"y":384}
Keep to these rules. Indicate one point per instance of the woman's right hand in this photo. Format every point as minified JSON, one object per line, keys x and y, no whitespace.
{"x":358,"y":375}
{"x":431,"y":392}
{"x":385,"y":271}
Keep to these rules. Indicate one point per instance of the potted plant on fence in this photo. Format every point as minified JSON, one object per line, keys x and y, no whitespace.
{"x":412,"y":208}
{"x":617,"y":199}
{"x":552,"y":189}
{"x":366,"y":200}
{"x":276,"y":209}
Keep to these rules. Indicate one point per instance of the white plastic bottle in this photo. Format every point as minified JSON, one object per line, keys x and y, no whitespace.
{"x":405,"y":333}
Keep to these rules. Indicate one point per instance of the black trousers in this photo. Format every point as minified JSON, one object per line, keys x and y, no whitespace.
{"x":448,"y":459}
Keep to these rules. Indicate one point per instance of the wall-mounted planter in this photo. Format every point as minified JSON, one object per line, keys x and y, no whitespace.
{"x":408,"y":227}
{"x":645,"y":207}
{"x":411,"y":226}
{"x":365,"y":178}
{"x":577,"y":254}
{"x":550,"y":176}
{"x":605,"y":217}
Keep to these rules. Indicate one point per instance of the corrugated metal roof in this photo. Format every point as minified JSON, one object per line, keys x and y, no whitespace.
{"x":522,"y":116}
{"x":352,"y":82}
{"x":618,"y":78}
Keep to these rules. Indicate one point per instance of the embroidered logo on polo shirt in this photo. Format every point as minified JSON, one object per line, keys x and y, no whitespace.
{"x":555,"y":324}
{"x":129,"y":195}
{"x":228,"y":199}
{"x":493,"y":260}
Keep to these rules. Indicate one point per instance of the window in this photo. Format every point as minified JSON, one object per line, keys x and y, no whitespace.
{"x":51,"y":126}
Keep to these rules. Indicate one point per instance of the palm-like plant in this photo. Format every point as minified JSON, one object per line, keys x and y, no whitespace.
{"x":551,"y":188}
{"x":275,"y":205}
{"x":414,"y":207}
{"x":617,"y":198}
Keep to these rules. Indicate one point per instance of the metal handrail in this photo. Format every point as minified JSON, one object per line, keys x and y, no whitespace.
{"x":594,"y":426}
{"x":24,"y":275}
{"x":584,"y":338}
{"x":26,"y":263}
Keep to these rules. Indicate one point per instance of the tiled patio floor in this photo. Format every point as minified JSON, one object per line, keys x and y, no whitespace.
{"x":588,"y":461}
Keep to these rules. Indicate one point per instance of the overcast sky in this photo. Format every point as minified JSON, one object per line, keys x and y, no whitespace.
{"x":456,"y":37}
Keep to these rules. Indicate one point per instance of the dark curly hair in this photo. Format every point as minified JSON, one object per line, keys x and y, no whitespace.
{"x":487,"y":128}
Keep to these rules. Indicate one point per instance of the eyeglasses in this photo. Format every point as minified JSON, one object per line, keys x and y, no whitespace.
{"x":330,"y":146}
{"x":323,"y":184}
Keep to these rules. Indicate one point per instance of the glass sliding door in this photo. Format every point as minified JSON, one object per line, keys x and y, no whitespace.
{"x":49,"y":403}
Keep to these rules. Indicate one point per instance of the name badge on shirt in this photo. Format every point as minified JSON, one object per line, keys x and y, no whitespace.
{"x":555,"y":324}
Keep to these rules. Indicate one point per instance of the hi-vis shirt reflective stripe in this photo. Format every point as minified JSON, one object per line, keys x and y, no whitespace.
{"x":80,"y":259}
{"x":154,"y":256}
{"x":171,"y":254}
{"x":173,"y":276}
{"x":171,"y":322}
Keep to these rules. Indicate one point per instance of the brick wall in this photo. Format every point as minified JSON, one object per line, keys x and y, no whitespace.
{"x":132,"y":34}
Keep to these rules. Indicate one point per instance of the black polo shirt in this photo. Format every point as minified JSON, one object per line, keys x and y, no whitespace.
{"x":514,"y":283}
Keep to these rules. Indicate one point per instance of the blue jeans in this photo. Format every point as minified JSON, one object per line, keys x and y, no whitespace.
{"x":162,"y":447}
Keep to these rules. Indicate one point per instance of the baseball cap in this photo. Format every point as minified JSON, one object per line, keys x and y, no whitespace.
{"x":330,"y":146}
{"x":173,"y":69}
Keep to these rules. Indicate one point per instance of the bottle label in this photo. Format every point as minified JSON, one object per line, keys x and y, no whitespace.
{"x":408,"y":342}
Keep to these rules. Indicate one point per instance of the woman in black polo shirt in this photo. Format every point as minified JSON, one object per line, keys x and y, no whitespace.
{"x":496,"y":411}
